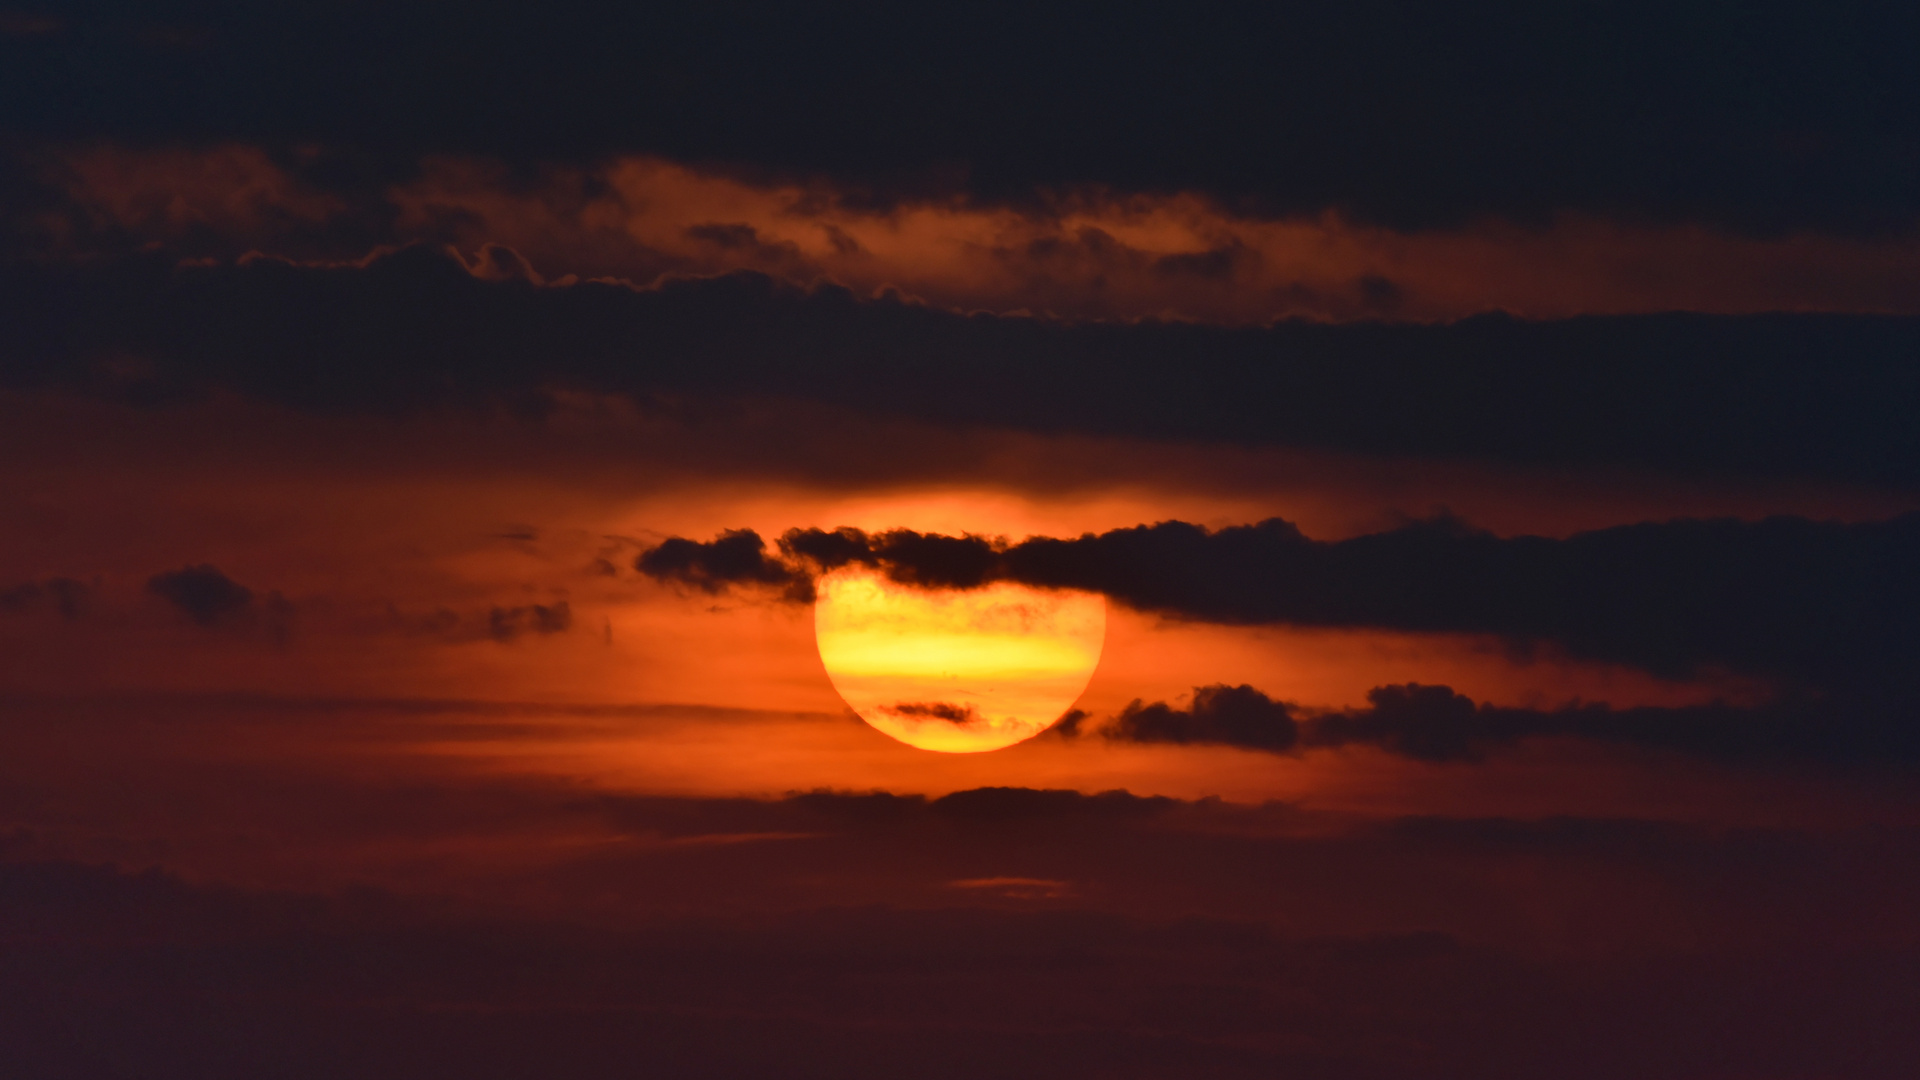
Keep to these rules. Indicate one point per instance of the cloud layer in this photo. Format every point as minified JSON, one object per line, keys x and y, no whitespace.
{"x":1435,"y":724}
{"x":1005,"y":932}
{"x":1818,"y":603}
{"x":1091,"y":253}
{"x":1760,"y":117}
{"x":1822,"y":396}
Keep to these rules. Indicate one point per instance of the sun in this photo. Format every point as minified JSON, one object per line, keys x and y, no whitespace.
{"x":959,"y":671}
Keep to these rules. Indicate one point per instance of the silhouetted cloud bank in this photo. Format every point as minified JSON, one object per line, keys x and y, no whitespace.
{"x":1760,"y":117}
{"x":1801,"y":395}
{"x":1435,"y":724}
{"x":1817,"y":604}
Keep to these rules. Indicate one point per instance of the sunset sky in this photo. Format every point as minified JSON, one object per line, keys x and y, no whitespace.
{"x":1354,"y":541}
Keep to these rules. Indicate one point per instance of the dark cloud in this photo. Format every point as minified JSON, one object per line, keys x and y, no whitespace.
{"x":1764,"y":117}
{"x":1432,"y":723}
{"x":1782,"y":395}
{"x":501,"y":623}
{"x":1818,"y":603}
{"x":985,"y":805}
{"x":204,"y":593}
{"x":1380,"y":296}
{"x":1068,"y":726}
{"x":867,"y":808}
{"x":1233,"y":715}
{"x":505,"y":624}
{"x":992,"y":804}
{"x":737,"y":556}
{"x":65,"y":595}
{"x":745,"y":240}
{"x":495,"y":262}
{"x":1214,"y":264}
{"x":934,"y":710}
{"x":1436,"y":724}
{"x":211,"y":598}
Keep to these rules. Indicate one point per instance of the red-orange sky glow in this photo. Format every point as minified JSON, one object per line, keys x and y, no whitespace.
{"x":1364,"y":541}
{"x":1088,"y":254}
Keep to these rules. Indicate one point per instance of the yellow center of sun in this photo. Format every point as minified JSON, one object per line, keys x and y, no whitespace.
{"x":958,"y":671}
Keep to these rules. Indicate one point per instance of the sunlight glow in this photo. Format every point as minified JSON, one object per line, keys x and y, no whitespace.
{"x":957,"y":671}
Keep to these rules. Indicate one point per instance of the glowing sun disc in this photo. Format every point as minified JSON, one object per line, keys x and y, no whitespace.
{"x":956,"y":671}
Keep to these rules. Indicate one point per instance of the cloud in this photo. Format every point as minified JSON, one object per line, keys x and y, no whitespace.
{"x":983,"y":806}
{"x":500,"y":623}
{"x":1435,"y":724}
{"x":1820,"y":396}
{"x":180,"y":195}
{"x":505,"y":624}
{"x":1816,"y":603}
{"x":1432,"y":723}
{"x":1232,"y":715}
{"x":204,"y":593}
{"x":1001,"y":804}
{"x":210,"y":598}
{"x":1087,"y":253}
{"x":737,"y":556}
{"x":937,"y":710}
{"x":66,"y":595}
{"x":1419,"y":118}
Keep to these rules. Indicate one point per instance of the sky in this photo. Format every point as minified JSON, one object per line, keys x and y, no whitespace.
{"x":1424,"y":499}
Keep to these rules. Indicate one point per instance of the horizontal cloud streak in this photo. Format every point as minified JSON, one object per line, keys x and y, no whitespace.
{"x":202,"y":592}
{"x":1818,"y":603}
{"x":1090,"y":254}
{"x":1435,"y":724}
{"x":1809,"y":395}
{"x":66,"y":595}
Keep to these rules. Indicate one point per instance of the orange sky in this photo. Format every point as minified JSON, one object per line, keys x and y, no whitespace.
{"x":473,"y":480}
{"x":390,"y":542}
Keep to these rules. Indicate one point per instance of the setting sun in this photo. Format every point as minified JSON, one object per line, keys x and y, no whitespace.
{"x":957,"y":671}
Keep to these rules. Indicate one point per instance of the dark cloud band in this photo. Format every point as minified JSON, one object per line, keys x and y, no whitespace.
{"x":1795,"y":395}
{"x":1811,"y":603}
{"x":1435,"y":724}
{"x":1756,"y":116}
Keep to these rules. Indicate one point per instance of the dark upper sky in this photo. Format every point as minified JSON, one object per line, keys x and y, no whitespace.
{"x":1758,"y":117}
